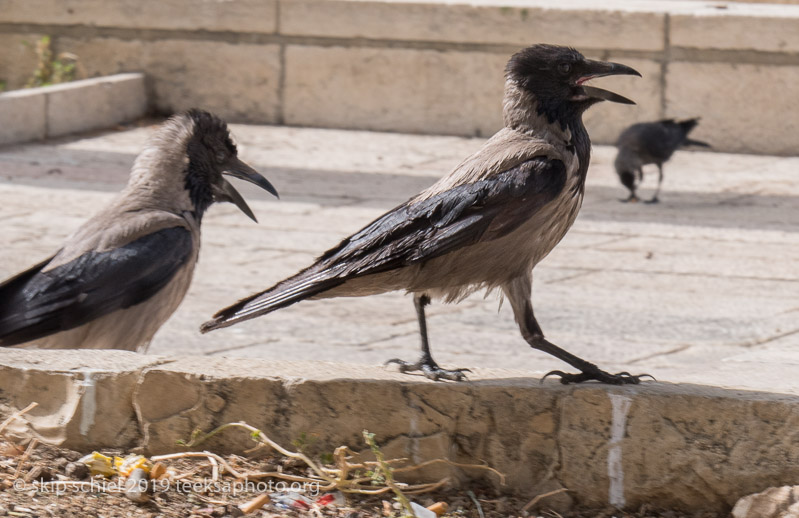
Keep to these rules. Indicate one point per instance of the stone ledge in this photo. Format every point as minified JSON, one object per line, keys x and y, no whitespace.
{"x":24,"y":116}
{"x":57,"y":110}
{"x":742,"y":27}
{"x":679,"y":446}
{"x":506,"y":23}
{"x":211,"y":15}
{"x":433,"y":66}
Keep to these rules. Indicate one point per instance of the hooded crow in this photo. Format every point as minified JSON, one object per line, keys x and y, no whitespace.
{"x":651,"y":143}
{"x":484,"y":225}
{"x":122,"y":274}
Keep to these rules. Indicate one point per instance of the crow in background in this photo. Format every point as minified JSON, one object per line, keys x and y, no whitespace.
{"x":650,"y":143}
{"x":123,"y":273}
{"x":486,"y":224}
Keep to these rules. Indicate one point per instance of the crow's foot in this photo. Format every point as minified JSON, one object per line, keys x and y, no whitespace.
{"x":653,"y":200}
{"x":430,"y":369}
{"x":632,"y":199}
{"x":622,"y":378}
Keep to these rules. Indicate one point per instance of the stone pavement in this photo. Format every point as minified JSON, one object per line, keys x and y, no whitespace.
{"x":701,"y":288}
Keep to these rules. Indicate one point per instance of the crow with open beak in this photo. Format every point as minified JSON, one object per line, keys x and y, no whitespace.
{"x":651,"y":143}
{"x":484,"y":225}
{"x":122,"y":274}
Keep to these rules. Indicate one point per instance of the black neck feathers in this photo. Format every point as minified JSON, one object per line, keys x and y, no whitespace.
{"x":210,"y":138}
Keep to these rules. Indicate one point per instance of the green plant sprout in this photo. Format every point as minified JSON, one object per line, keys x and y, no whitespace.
{"x":52,"y":70}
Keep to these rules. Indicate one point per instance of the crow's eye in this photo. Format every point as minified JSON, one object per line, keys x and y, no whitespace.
{"x":564,"y":68}
{"x":220,"y":156}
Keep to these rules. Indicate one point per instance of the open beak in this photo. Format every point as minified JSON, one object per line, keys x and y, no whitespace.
{"x":593,"y":69}
{"x":238,"y":169}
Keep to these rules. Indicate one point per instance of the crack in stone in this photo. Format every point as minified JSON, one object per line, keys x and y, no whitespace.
{"x":141,"y":425}
{"x":219,"y":350}
{"x":423,"y":400}
{"x":583,"y":273}
{"x":675,"y":350}
{"x":768,"y":339}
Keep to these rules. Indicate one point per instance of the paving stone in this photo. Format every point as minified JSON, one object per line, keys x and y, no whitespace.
{"x":667,"y":289}
{"x":711,"y":313}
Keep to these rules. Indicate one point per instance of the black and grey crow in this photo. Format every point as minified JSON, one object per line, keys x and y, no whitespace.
{"x":486,"y":224}
{"x":650,"y":143}
{"x":123,"y":273}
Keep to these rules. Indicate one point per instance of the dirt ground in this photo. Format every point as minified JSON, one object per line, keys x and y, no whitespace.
{"x":188,"y":489}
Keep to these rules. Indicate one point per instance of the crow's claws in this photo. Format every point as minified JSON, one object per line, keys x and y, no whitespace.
{"x":430,"y":369}
{"x":622,"y":378}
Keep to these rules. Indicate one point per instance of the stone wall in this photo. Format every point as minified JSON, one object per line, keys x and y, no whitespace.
{"x":429,"y":67}
{"x":688,"y":447}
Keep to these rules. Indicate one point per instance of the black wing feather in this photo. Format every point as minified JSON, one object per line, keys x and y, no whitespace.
{"x":416,"y":232}
{"x":35,"y":303}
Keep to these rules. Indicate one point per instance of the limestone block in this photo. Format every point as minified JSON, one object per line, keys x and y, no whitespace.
{"x":418,"y":91}
{"x":475,"y":22}
{"x":238,"y":82}
{"x":209,"y":15}
{"x":22,"y":113}
{"x":104,"y":56}
{"x":195,"y":386}
{"x":94,"y":103}
{"x":686,"y":447}
{"x":17,"y":59}
{"x":583,"y":436}
{"x":83,"y":399}
{"x":744,"y":108}
{"x":769,"y":28}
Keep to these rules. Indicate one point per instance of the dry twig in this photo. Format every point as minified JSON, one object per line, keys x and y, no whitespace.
{"x":206,"y":454}
{"x":328,"y":479}
{"x":540,"y":497}
{"x":17,"y":415}
{"x":34,"y":442}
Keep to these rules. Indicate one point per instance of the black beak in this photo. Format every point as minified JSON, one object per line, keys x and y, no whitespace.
{"x":238,"y":169}
{"x":592,"y":69}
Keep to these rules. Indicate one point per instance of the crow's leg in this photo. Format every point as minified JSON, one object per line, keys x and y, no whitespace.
{"x":518,"y":292}
{"x":660,"y":181}
{"x":426,"y":364}
{"x":628,"y":180}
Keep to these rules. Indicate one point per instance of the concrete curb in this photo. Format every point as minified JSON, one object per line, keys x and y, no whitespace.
{"x":89,"y":104}
{"x":679,"y":446}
